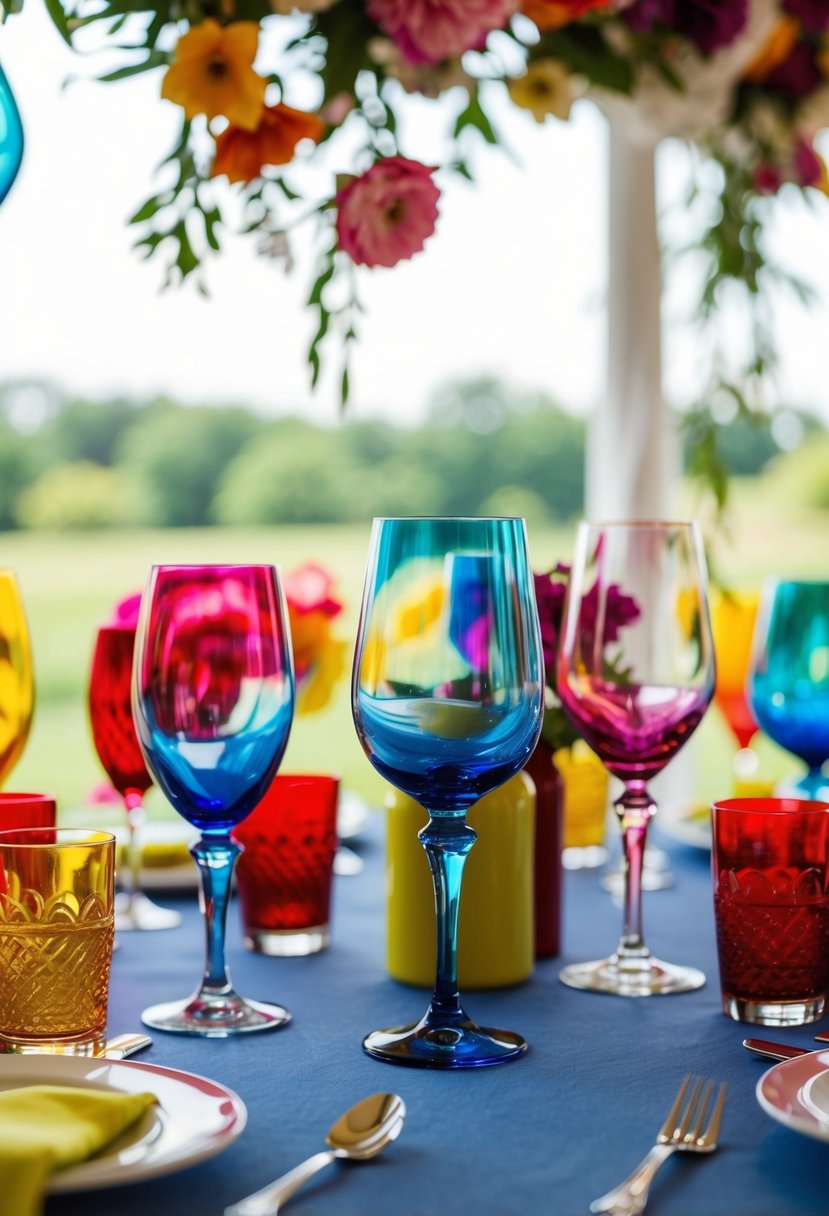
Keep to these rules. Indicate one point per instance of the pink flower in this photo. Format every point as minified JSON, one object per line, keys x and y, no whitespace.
{"x":386,"y":215}
{"x":807,"y":164}
{"x":429,"y":31}
{"x":125,"y":612}
{"x":767,"y":179}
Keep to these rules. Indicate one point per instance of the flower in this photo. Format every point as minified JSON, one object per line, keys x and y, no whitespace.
{"x":429,"y":31}
{"x":550,"y":593}
{"x":319,"y":657}
{"x":799,"y":73}
{"x":709,"y":24}
{"x":546,"y":88}
{"x":812,"y":14}
{"x":777,"y":47}
{"x":551,"y":14}
{"x":212,"y":73}
{"x":125,"y":612}
{"x":241,"y":154}
{"x":386,"y":215}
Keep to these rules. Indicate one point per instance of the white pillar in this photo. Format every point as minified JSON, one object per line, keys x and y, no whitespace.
{"x":632,"y":462}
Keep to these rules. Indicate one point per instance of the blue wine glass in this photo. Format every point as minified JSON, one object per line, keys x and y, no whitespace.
{"x":789,"y":678}
{"x":447,"y":697}
{"x":11,"y":137}
{"x":213,"y":699}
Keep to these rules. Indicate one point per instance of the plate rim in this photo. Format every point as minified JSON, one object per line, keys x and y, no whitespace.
{"x":76,"y":1178}
{"x":811,"y":1065}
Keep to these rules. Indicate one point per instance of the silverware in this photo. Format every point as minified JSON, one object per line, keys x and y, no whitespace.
{"x":358,"y":1135}
{"x":823,"y":1037}
{"x":682,"y":1131}
{"x":775,"y":1051}
{"x":124,"y":1045}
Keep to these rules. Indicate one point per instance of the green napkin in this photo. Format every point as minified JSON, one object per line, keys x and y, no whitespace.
{"x":46,"y":1127}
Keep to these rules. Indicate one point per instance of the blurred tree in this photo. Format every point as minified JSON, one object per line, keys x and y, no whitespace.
{"x":178,"y":455}
{"x":15,"y":472}
{"x":85,"y":430}
{"x":75,"y":496}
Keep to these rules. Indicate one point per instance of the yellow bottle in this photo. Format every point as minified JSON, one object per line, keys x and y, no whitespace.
{"x":495,"y":938}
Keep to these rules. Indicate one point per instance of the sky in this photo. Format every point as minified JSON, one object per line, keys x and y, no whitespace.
{"x":511,"y":284}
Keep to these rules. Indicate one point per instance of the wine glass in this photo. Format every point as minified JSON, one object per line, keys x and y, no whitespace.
{"x":447,"y":697}
{"x":213,"y":699}
{"x":636,"y":674}
{"x":17,"y":694}
{"x":733,"y":619}
{"x":789,"y":681}
{"x":11,"y":137}
{"x":113,"y":733}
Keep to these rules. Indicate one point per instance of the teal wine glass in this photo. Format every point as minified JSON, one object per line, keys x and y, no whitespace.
{"x":447,"y":697}
{"x":213,"y":698}
{"x":11,"y":137}
{"x":789,"y":678}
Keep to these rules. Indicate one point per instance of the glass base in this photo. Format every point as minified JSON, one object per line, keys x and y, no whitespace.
{"x":652,"y":880}
{"x":288,"y":943}
{"x":215,"y":1017}
{"x":139,"y":912}
{"x":427,"y":1044}
{"x":632,"y":977}
{"x":69,"y":1046}
{"x":774,"y":1013}
{"x":583,"y":857}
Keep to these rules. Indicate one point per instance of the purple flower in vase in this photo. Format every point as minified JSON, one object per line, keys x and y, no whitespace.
{"x":798,"y":74}
{"x":709,"y":24}
{"x":812,"y":14}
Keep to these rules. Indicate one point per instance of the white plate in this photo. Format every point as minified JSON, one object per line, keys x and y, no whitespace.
{"x":195,"y":1118}
{"x":796,"y":1093}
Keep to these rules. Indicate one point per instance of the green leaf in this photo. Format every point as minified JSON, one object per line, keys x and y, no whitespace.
{"x":583,"y":49}
{"x":474,"y":116}
{"x":155,"y":59}
{"x":346,"y":27}
{"x":56,"y":11}
{"x":150,"y":208}
{"x":319,"y":286}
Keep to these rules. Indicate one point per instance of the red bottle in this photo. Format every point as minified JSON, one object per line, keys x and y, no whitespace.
{"x":549,"y":805}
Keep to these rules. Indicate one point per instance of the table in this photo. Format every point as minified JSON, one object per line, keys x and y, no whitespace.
{"x":538,"y":1137}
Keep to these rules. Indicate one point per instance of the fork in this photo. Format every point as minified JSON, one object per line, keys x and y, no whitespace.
{"x":682,"y":1131}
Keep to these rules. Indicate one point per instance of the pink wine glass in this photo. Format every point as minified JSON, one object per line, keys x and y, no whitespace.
{"x":636,"y":675}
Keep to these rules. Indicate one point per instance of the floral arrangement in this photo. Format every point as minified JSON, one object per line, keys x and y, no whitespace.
{"x":550,"y":592}
{"x":296,"y":106}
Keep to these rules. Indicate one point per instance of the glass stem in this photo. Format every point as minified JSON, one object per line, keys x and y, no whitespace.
{"x":635,"y":809}
{"x":215,"y":859}
{"x":447,"y":839}
{"x":134,"y":804}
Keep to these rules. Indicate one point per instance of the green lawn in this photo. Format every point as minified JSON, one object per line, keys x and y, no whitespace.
{"x":70,"y":582}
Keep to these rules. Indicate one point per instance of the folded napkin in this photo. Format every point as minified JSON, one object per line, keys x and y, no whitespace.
{"x":46,"y":1127}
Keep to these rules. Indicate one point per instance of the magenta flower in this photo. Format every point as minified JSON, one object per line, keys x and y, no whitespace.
{"x":429,"y":31}
{"x":812,"y":14}
{"x":125,"y":612}
{"x":767,"y":179}
{"x":709,"y":24}
{"x":799,"y":74}
{"x":807,"y":164}
{"x":386,"y":215}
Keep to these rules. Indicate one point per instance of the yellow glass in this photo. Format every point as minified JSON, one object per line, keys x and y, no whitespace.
{"x":16,"y":675}
{"x":496,"y":943}
{"x":733,"y":617}
{"x":56,"y":935}
{"x":585,"y":781}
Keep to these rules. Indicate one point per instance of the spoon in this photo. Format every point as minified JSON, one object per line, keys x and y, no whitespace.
{"x":358,"y":1135}
{"x":124,"y":1045}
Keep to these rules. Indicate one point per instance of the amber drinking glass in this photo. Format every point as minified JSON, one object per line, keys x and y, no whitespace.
{"x":16,"y":675}
{"x":56,"y":934}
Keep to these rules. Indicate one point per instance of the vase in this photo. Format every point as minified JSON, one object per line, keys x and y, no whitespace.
{"x":496,"y":932}
{"x":11,"y":137}
{"x":542,"y":769}
{"x":585,"y":781}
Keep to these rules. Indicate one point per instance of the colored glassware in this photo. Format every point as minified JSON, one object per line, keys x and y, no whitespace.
{"x":213,"y":699}
{"x":636,"y":674}
{"x":17,"y":692}
{"x":447,"y":698}
{"x":733,"y":619}
{"x":11,"y":137}
{"x":789,"y":683}
{"x":113,"y":733}
{"x":770,"y":864}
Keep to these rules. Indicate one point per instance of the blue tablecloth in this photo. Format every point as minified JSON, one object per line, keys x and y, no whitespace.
{"x":538,"y":1137}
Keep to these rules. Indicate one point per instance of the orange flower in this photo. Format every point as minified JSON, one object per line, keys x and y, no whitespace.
{"x":241,"y":154}
{"x":550,"y":14}
{"x":777,"y":47}
{"x":212,"y":73}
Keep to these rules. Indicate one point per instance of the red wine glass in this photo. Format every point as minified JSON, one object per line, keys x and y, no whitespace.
{"x":113,"y":733}
{"x":636,"y":674}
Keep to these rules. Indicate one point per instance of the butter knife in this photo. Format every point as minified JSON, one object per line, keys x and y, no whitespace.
{"x":124,"y":1045}
{"x":775,"y":1051}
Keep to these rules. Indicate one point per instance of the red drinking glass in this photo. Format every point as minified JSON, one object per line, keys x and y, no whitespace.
{"x":284,"y":875}
{"x":113,"y":733}
{"x":26,"y":811}
{"x":636,"y":674}
{"x":770,"y":867}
